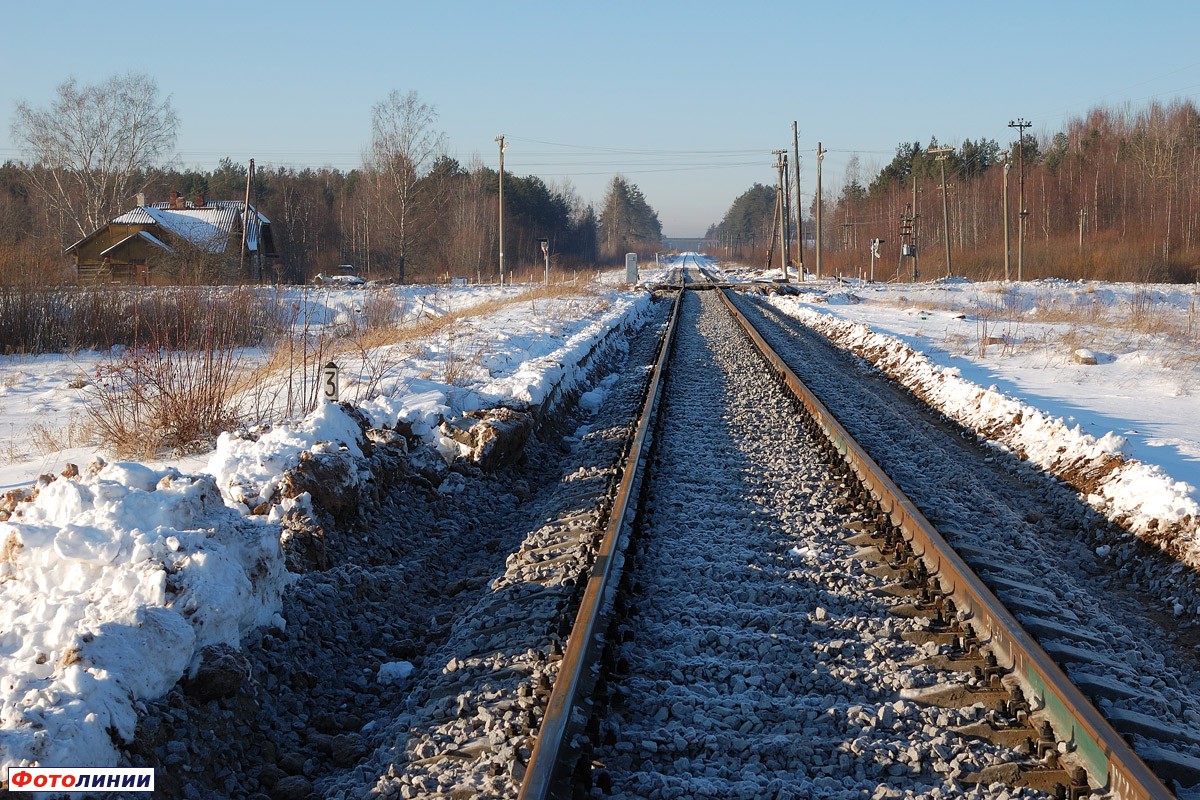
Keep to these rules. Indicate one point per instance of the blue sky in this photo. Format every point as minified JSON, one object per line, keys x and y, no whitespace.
{"x":687,"y":99}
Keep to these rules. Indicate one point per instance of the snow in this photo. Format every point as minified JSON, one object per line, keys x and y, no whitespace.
{"x":111,"y":582}
{"x":593,"y":399}
{"x":249,"y":472}
{"x":391,"y":672}
{"x":339,"y":280}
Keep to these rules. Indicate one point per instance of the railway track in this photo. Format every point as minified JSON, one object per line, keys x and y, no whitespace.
{"x":787,"y":623}
{"x":1094,"y":617}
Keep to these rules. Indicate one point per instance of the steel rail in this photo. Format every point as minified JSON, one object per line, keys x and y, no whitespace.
{"x":1102,"y":751}
{"x":544,"y":767}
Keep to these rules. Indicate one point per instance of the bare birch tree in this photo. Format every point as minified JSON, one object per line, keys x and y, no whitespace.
{"x":87,"y":152}
{"x":404,"y":145}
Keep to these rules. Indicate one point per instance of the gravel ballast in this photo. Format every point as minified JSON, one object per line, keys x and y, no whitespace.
{"x":758,"y":658}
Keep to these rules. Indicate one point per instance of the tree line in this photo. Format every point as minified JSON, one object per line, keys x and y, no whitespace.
{"x":1114,"y":194}
{"x":409,"y":213}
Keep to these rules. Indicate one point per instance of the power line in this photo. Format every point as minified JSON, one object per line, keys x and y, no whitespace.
{"x":634,"y":151}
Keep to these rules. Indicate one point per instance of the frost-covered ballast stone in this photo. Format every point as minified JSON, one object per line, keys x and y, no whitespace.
{"x":762,"y":660}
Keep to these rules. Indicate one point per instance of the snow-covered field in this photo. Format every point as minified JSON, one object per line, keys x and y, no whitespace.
{"x":101,"y":569}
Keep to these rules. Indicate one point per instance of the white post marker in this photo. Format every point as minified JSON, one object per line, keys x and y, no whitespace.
{"x":329,"y":382}
{"x":545,"y":243}
{"x":631,"y":268}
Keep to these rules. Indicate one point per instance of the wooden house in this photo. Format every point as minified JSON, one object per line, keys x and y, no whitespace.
{"x":179,"y":241}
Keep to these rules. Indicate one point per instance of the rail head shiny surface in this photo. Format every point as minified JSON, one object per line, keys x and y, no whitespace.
{"x":543,"y":768}
{"x":1104,"y":752}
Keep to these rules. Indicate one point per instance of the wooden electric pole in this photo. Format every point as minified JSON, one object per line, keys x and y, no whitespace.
{"x":780,"y":166}
{"x":799,"y":221}
{"x":787,"y":219}
{"x":916,"y":245}
{"x":941,"y":153}
{"x":1021,"y":125}
{"x":500,"y":224}
{"x":246,"y":225}
{"x":1007,"y":270}
{"x":820,"y":157}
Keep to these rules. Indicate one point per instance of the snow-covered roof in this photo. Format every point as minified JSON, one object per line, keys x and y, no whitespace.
{"x":209,"y":228}
{"x":211,"y":204}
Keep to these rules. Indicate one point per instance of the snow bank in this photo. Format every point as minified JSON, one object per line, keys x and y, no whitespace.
{"x":251,"y":472}
{"x":1136,"y":495}
{"x":560,"y":365}
{"x":552,"y":361}
{"x":110,"y":583}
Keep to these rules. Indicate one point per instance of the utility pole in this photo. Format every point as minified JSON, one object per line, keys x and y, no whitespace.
{"x":1007,"y":271}
{"x":246,"y":223}
{"x":787,"y":217}
{"x":781,"y":165}
{"x":915,"y":232}
{"x":820,"y":157}
{"x":941,"y":153}
{"x":1021,"y":125}
{"x":774,"y":228}
{"x":799,"y":222}
{"x":503,"y":147}
{"x":848,"y":236}
{"x":906,"y":238}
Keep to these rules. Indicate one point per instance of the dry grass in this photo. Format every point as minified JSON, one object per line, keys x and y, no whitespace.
{"x":47,"y":440}
{"x":175,"y":391}
{"x":379,"y":347}
{"x":286,"y":384}
{"x":55,"y":320}
{"x":187,"y":383}
{"x":1143,"y":322}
